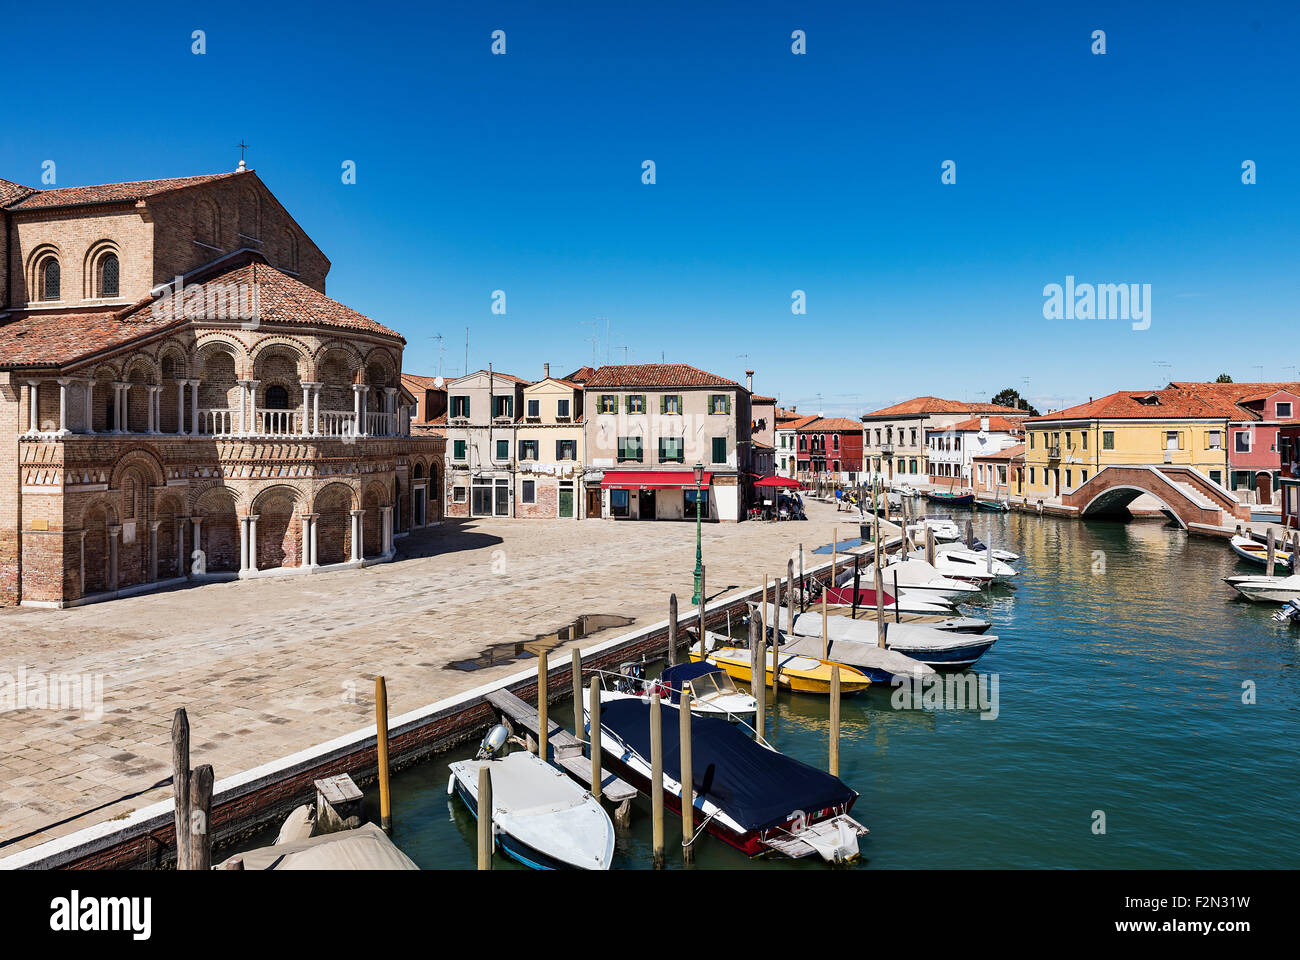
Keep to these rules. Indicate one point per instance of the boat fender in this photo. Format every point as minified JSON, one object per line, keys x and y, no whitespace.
{"x":451,"y":784}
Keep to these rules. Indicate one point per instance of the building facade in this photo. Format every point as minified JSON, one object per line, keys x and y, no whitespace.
{"x":550,"y":450}
{"x":647,"y":425}
{"x":482,"y":408}
{"x":894,"y":439}
{"x":829,"y":447}
{"x":952,"y":450}
{"x":1000,"y":474}
{"x":182,"y":401}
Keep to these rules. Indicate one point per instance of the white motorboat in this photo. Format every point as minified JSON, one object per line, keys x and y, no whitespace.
{"x":937,"y":649}
{"x":713,"y":694}
{"x":915,"y":578}
{"x":962,"y":564}
{"x":539,"y":816}
{"x":907,"y":490}
{"x":1263,"y":589}
{"x":1006,"y":556}
{"x":945,"y":529}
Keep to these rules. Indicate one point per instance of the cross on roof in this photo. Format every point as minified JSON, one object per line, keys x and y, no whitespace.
{"x":242,"y":147}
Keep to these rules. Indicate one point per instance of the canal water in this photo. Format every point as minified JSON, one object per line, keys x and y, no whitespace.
{"x":1122,"y":664}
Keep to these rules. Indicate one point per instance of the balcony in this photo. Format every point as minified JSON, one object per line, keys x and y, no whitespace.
{"x":1054,"y":452}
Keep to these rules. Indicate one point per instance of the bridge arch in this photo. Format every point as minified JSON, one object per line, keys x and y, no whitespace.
{"x":1188,"y":495}
{"x":1114,"y":502}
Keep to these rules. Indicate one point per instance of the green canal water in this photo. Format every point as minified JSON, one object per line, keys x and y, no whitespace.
{"x":1121,"y":663}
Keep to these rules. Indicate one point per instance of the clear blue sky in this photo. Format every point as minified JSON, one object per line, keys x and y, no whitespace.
{"x":775,"y":172}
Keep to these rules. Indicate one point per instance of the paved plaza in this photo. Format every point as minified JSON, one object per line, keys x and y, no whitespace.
{"x":268,"y":667}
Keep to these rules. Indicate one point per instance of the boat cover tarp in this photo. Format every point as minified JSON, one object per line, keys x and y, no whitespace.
{"x":676,"y":676}
{"x":757,"y":787}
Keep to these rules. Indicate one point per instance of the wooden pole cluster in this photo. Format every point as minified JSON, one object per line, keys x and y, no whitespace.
{"x":192,"y":790}
{"x":657,"y":780}
{"x":381,"y":751}
{"x":485,"y":842}
{"x":688,"y":786}
{"x":776,"y":635}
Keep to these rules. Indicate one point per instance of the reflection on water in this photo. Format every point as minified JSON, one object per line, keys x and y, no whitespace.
{"x":1121,"y":663}
{"x":498,"y":653}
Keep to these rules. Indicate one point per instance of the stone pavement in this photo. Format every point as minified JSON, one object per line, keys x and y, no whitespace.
{"x":268,"y":667}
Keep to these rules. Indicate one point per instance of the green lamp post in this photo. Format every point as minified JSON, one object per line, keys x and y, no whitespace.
{"x":699,"y":557}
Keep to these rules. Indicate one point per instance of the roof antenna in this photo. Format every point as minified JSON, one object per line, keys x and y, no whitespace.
{"x":242,"y":147}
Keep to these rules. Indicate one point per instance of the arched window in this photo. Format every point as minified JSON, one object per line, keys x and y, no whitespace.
{"x":48,"y":272}
{"x":108,"y":271}
{"x":277,"y":398}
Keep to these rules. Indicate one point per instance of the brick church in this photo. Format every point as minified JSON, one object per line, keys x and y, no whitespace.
{"x":180,"y":400}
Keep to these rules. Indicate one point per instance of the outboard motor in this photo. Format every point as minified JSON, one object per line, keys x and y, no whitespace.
{"x":631,"y":675}
{"x":493,"y":743}
{"x":1290,"y":612}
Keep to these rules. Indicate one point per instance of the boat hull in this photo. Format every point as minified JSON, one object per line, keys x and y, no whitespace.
{"x":795,"y":681}
{"x":510,"y":845}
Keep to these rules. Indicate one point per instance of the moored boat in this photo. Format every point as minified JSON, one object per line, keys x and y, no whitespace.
{"x":798,"y":674}
{"x":937,"y":649}
{"x":1262,"y":589}
{"x":952,"y":499}
{"x":539,"y":816}
{"x":713,"y":693}
{"x":743,"y":792}
{"x":1251,"y":549}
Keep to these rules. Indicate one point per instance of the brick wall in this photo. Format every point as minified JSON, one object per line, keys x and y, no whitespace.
{"x":9,"y":493}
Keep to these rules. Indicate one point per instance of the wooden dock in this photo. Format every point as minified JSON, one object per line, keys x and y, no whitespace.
{"x":567,"y":750}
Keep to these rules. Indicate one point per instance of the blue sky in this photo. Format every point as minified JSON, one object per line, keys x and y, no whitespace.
{"x":775,"y":172}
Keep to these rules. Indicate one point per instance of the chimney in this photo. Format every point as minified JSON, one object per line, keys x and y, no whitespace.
{"x":546,"y":371}
{"x":749,"y":380}
{"x":984,"y":428}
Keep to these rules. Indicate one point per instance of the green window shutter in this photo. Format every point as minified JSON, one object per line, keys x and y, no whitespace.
{"x":663,"y":403}
{"x":680,"y":406}
{"x":727,"y":409}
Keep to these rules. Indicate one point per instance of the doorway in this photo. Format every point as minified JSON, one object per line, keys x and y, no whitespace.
{"x":566,"y":501}
{"x":1264,"y":486}
{"x":593,"y":502}
{"x":646,"y":509}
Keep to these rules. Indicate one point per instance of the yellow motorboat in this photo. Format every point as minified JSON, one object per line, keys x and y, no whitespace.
{"x":800,"y":674}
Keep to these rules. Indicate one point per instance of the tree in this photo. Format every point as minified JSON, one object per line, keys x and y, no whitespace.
{"x":1223,"y":378}
{"x":1012,"y":398}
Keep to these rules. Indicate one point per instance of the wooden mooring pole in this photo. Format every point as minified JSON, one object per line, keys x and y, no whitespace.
{"x":835,"y":721}
{"x":543,"y":695}
{"x":1271,"y":554}
{"x":657,"y":781}
{"x":485,"y":817}
{"x":803,"y":592}
{"x":776,"y":634}
{"x":703,"y":601}
{"x":758,"y":667}
{"x":576,"y":683}
{"x":181,"y":785}
{"x":381,"y":754}
{"x":789,"y":594}
{"x":688,"y":788}
{"x":200,"y":816}
{"x":593,"y":708}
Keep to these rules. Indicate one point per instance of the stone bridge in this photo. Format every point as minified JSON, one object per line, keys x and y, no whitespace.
{"x":1186,"y":493}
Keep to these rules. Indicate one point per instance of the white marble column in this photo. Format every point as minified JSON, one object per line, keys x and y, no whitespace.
{"x":308,"y":558}
{"x":358,"y":548}
{"x":63,"y":406}
{"x":243,"y":407}
{"x":180,"y":407}
{"x":88,"y":398}
{"x":386,"y":526}
{"x":182,"y":568}
{"x":252,"y":405}
{"x":119,"y":389}
{"x":309,"y":390}
{"x":359,"y":409}
{"x":243,"y":545}
{"x":252,"y":541}
{"x":315,"y":562}
{"x":33,"y":406}
{"x":194,"y":407}
{"x":315,"y":410}
{"x":196,"y":538}
{"x":390,"y":409}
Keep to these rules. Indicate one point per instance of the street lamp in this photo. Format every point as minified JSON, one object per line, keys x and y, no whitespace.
{"x":699,"y":568}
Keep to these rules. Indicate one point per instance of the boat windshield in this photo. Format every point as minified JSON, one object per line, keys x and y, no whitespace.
{"x":705,"y":686}
{"x":724,"y":682}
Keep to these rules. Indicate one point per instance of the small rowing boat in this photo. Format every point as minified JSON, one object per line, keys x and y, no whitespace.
{"x":1251,"y":549}
{"x":1262,"y":589}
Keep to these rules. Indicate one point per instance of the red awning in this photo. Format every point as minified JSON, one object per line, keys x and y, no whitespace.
{"x":657,"y":480}
{"x":784,"y":482}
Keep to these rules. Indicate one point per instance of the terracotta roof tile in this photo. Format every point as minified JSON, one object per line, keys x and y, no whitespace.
{"x":1007,"y":453}
{"x":656,"y":375}
{"x":997,"y":424}
{"x":581,"y":375}
{"x":106,"y":192}
{"x":1152,"y":405}
{"x":832,"y":424}
{"x":11,"y":192}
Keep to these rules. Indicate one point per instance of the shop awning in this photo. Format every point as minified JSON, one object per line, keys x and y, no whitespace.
{"x":653,"y":480}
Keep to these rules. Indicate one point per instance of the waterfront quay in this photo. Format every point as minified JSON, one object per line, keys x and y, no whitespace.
{"x":268,"y":667}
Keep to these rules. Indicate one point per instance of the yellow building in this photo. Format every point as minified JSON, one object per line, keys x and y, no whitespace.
{"x":1175,"y":427}
{"x":549,"y":453}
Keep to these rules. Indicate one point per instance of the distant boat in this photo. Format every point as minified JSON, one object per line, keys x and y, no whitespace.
{"x":1250,"y":549}
{"x":744,"y":792}
{"x":541,"y":818}
{"x":996,"y":506}
{"x":952,"y":499}
{"x":937,"y":649}
{"x":865,"y":599}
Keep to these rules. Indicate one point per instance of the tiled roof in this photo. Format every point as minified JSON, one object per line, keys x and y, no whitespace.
{"x":832,"y":424}
{"x":496,"y":375}
{"x":1165,"y":404}
{"x":106,"y":192}
{"x":1008,"y":453}
{"x":921,"y":406}
{"x":799,"y":423}
{"x":418,"y":381}
{"x":581,"y":375}
{"x":995,"y":424}
{"x":656,"y":375}
{"x":283,"y":300}
{"x":764,"y":400}
{"x":10,"y":192}
{"x":41,"y":339}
